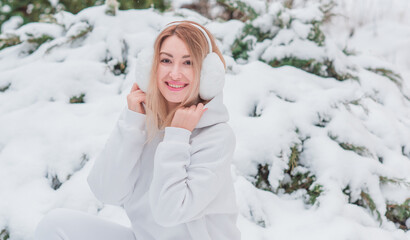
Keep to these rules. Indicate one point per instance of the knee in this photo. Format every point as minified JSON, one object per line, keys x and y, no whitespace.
{"x":49,"y":228}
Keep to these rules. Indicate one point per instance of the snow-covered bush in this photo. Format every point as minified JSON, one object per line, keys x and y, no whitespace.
{"x":39,"y":10}
{"x":285,"y":36}
{"x":293,"y":36}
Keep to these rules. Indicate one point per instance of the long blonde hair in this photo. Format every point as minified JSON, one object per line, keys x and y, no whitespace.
{"x":157,"y":117}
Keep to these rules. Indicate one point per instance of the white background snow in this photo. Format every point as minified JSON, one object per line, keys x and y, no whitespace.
{"x":42,"y":134}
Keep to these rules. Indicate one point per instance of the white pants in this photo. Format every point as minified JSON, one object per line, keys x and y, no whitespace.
{"x":68,"y":224}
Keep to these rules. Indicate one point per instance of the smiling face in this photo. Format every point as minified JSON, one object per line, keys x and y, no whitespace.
{"x":175,"y":72}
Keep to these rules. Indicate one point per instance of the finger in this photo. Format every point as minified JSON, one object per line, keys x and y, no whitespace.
{"x":139,"y":91}
{"x":143,"y":99}
{"x":136,"y":96}
{"x":203,"y":111}
{"x":134,"y":87}
{"x":139,"y":99}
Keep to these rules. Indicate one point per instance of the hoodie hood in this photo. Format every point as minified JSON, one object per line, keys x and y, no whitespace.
{"x":216,"y":113}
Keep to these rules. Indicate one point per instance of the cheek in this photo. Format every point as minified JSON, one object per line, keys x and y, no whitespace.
{"x":189,"y":73}
{"x":160,"y":73}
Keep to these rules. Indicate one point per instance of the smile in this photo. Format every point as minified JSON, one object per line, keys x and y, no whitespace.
{"x":174,"y":87}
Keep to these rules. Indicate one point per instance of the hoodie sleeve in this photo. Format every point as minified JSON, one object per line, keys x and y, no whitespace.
{"x":115,"y":171}
{"x":184,"y":183}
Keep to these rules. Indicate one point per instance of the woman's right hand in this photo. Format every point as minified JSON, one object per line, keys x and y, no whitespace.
{"x":135,"y":99}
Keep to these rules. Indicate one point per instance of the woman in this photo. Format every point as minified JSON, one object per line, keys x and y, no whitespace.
{"x":167,"y":162}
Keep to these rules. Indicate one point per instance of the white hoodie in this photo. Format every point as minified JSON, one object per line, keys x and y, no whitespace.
{"x":177,"y":187}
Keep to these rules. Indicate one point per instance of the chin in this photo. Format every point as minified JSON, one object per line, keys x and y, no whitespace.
{"x":173,"y":100}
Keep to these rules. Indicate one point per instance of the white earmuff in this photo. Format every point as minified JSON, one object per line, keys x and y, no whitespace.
{"x":212,"y":77}
{"x":143,"y":69}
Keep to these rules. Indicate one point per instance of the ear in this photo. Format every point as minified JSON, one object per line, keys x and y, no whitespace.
{"x":212,"y":76}
{"x":143,"y":68}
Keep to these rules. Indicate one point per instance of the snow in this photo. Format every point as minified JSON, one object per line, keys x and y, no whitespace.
{"x":42,"y":134}
{"x":13,"y":23}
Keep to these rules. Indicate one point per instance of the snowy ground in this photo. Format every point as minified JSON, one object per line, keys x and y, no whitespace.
{"x":43,"y":136}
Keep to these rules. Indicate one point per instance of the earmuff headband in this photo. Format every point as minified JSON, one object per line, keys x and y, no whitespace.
{"x":200,"y":28}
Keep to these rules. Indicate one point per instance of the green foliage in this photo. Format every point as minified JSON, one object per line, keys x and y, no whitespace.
{"x":253,"y":34}
{"x":315,"y":192}
{"x":255,"y":112}
{"x":288,"y":3}
{"x":55,"y":182}
{"x":326,"y":9}
{"x":360,"y":150}
{"x":394,"y":77}
{"x":120,"y":67}
{"x":3,"y":89}
{"x":30,"y":11}
{"x":369,"y":203}
{"x":33,"y":11}
{"x":294,"y":157}
{"x":364,"y":201}
{"x":4,"y":234}
{"x":396,"y":181}
{"x":240,"y":49}
{"x":323,"y":120}
{"x":9,"y":40}
{"x":84,"y":159}
{"x":238,"y":10}
{"x":37,"y":41}
{"x":112,"y":8}
{"x":403,"y":151}
{"x":260,"y":221}
{"x":298,"y":179}
{"x":284,"y":98}
{"x":399,"y":213}
{"x":34,"y":42}
{"x":349,"y":52}
{"x":323,"y":69}
{"x":82,"y":33}
{"x":283,"y":20}
{"x":250,"y":35}
{"x":316,"y":35}
{"x":78,"y":99}
{"x":86,"y":28}
{"x":262,"y":181}
{"x":250,"y":30}
{"x":310,"y":65}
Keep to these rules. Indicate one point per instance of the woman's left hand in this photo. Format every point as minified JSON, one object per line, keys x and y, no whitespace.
{"x":188,"y":117}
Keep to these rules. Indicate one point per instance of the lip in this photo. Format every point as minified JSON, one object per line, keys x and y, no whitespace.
{"x":176,"y":82}
{"x":175,"y":89}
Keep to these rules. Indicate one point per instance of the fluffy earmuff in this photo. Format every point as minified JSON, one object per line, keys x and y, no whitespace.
{"x":212,"y":77}
{"x":143,"y":69}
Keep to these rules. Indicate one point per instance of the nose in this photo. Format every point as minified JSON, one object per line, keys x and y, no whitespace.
{"x":175,"y":72}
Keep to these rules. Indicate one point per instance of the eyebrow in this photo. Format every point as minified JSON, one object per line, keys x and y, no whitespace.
{"x":185,"y":56}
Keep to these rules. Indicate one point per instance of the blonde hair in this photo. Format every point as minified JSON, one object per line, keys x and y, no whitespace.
{"x":157,"y":117}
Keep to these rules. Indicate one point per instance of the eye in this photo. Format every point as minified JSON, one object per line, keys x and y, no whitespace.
{"x":165,"y":60}
{"x":188,"y":62}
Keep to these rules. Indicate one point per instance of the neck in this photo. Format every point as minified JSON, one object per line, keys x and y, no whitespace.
{"x":171,"y":106}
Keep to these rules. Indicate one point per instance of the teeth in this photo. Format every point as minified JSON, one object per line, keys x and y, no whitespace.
{"x":175,"y":86}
